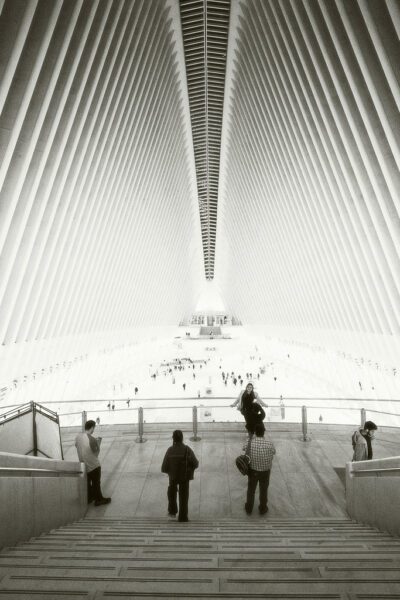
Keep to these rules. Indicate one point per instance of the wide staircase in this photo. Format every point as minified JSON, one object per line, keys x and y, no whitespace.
{"x":257,"y":557}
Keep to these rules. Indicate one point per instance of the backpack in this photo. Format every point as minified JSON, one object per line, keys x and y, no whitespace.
{"x":242,"y":463}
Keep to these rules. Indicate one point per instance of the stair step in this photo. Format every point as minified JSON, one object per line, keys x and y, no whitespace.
{"x":277,"y":559}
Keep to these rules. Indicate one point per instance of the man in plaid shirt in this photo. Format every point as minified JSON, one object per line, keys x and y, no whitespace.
{"x":261,"y":455}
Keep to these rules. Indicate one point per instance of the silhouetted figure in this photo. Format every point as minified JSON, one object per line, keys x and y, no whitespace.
{"x":255,"y":415}
{"x":179,"y":464}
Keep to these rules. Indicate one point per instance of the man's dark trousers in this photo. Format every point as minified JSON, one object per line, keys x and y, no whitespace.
{"x":94,"y":488}
{"x":183,"y":499}
{"x":262,"y":478}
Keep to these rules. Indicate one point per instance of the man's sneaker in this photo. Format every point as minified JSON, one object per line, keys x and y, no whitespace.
{"x":102,"y":501}
{"x":171,"y":516}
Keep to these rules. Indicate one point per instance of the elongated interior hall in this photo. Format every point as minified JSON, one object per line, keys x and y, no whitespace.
{"x":190,"y":188}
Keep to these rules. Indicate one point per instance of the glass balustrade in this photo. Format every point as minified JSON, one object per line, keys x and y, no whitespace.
{"x":336,"y":411}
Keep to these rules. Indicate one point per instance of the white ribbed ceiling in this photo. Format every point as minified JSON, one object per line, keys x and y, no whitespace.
{"x":111,"y":219}
{"x":308,"y":228}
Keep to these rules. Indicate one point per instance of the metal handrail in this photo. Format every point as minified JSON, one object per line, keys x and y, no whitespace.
{"x":36,"y":470}
{"x":16,"y":412}
{"x":383,"y":470}
{"x":196,"y":398}
{"x":132,"y":408}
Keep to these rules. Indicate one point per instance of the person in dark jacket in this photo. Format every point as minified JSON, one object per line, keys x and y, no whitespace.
{"x":179,"y":464}
{"x":254,"y":415}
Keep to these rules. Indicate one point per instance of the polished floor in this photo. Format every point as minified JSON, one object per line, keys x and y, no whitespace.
{"x":307,"y":478}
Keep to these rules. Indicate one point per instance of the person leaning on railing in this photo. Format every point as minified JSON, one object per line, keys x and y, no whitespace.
{"x":362,"y":441}
{"x":88,"y":448}
{"x":249,"y":403}
{"x":246,"y":398}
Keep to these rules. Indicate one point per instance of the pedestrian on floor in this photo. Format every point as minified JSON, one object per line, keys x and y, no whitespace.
{"x":362,"y":441}
{"x":179,"y":464}
{"x":88,"y":449}
{"x":261,"y":452}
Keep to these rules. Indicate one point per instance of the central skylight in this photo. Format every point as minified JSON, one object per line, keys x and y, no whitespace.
{"x":205,"y":26}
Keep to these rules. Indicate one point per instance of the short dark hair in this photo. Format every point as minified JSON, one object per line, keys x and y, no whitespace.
{"x":370,"y":425}
{"x":259,"y":429}
{"x":89,"y":425}
{"x":177,"y":436}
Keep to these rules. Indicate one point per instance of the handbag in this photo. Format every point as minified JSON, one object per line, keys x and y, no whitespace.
{"x":243,"y":461}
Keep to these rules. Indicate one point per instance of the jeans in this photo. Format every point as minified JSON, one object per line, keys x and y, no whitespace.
{"x":262,"y":478}
{"x":93,"y":482}
{"x":183,"y":499}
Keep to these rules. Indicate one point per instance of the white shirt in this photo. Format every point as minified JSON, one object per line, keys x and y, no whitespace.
{"x":88,"y":450}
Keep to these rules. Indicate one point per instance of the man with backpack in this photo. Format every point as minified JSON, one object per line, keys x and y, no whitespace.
{"x":261,"y":452}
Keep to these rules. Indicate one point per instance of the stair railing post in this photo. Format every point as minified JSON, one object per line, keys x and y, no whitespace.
{"x":140,"y":439}
{"x":363,"y":416}
{"x":84,"y":419}
{"x":304,"y":422}
{"x":195,"y":437}
{"x":35,"y":440}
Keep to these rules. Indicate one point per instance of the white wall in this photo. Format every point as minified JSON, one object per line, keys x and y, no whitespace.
{"x":37,"y":503}
{"x":374,"y":498}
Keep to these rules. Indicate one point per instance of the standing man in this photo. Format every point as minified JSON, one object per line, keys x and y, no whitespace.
{"x":362,"y":441}
{"x":88,"y":448}
{"x":261,"y":455}
{"x":179,"y":464}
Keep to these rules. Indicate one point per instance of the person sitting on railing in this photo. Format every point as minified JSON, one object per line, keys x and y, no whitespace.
{"x":362,"y":441}
{"x":244,"y":402}
{"x":88,"y":448}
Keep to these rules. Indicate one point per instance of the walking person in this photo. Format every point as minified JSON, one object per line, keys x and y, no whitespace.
{"x":179,"y":464}
{"x":362,"y":441}
{"x":88,"y":448}
{"x":261,"y":452}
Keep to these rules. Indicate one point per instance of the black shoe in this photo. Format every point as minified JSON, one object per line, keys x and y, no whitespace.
{"x":247,"y":510}
{"x":102,"y":501}
{"x":263,"y":511}
{"x":183,"y":520}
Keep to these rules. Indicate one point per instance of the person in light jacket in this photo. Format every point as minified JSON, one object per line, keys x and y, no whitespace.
{"x":362,"y":441}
